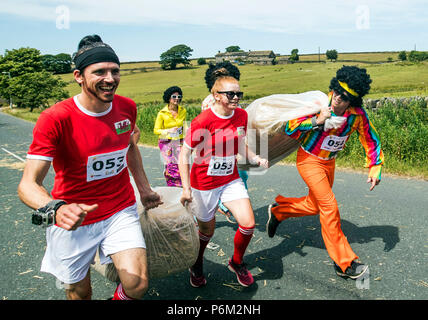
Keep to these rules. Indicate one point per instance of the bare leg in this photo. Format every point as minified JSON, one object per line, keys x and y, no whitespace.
{"x":131,"y":265}
{"x":81,"y":290}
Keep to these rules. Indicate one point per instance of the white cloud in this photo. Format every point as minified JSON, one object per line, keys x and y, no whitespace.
{"x":284,"y":16}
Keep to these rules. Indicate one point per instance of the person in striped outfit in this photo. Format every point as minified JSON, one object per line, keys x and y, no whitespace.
{"x":320,"y":145}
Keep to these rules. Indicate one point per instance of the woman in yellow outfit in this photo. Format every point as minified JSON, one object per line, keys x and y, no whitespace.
{"x":170,"y":126}
{"x":316,"y":164}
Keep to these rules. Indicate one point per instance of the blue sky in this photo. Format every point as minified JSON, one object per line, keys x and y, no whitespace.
{"x":142,"y":30}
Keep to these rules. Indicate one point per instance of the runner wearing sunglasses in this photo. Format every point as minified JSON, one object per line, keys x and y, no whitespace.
{"x":170,"y":126}
{"x":216,"y":136}
{"x":210,"y":77}
{"x":316,"y":165}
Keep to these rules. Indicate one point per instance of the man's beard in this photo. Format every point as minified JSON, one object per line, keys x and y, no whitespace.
{"x":97,"y":95}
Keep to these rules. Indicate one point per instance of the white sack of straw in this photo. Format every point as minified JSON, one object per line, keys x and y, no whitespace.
{"x":172,"y":241}
{"x":267,"y":118}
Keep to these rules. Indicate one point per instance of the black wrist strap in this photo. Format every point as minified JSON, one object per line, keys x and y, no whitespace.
{"x":46,"y":215}
{"x":55,"y":204}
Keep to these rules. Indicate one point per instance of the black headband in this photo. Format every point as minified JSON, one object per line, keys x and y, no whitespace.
{"x":95,"y":55}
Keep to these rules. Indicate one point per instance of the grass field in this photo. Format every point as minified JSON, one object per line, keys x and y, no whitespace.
{"x":369,"y":57}
{"x":143,"y":83}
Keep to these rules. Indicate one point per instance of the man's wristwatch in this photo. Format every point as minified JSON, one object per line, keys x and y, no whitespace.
{"x":46,"y":215}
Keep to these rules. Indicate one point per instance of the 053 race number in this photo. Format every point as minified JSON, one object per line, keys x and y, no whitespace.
{"x":221,"y":166}
{"x":334,"y":143}
{"x":106,"y":165}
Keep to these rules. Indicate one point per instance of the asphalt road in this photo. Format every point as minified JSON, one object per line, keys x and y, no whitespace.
{"x":387,"y":228}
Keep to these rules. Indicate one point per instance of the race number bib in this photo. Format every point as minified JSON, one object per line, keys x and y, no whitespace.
{"x":334,"y":143}
{"x":106,"y":165}
{"x":221,"y":166}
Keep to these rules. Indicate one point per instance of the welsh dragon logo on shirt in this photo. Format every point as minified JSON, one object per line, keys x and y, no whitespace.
{"x":122,"y":126}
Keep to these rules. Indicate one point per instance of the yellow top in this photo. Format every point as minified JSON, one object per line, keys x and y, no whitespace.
{"x":165,"y":121}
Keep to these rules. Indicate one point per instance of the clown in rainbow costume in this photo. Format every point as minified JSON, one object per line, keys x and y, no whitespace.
{"x":316,"y":164}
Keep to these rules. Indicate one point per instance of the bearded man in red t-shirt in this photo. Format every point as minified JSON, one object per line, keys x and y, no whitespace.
{"x":91,"y":140}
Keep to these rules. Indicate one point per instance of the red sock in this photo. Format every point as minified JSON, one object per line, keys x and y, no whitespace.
{"x":120,"y":294}
{"x":242,"y":238}
{"x":203,"y":242}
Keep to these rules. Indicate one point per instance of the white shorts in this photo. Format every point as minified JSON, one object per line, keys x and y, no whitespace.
{"x":206,"y":201}
{"x":69,"y":254}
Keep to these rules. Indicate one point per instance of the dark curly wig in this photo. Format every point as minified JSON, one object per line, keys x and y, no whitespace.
{"x":168,"y":92}
{"x":210,"y":77}
{"x":356,"y":78}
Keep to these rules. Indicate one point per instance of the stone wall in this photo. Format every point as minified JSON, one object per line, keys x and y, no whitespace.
{"x":399,"y":102}
{"x":256,"y":57}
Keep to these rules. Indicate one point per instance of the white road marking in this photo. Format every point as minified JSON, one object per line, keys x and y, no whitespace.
{"x":14,"y":155}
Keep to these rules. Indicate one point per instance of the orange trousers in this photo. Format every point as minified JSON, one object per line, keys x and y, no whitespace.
{"x":318,"y":174}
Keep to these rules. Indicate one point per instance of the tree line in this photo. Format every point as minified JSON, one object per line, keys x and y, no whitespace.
{"x":180,"y":54}
{"x":26,"y":77}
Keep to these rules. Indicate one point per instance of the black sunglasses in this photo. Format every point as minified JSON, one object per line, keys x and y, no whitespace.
{"x":231,"y":94}
{"x":176,"y":96}
{"x":343,"y":96}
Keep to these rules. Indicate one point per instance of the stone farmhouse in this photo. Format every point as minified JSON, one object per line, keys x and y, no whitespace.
{"x":257,"y":57}
{"x":283,"y":60}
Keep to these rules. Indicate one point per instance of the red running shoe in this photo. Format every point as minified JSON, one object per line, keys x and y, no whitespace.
{"x":243,"y":276}
{"x":197,"y":278}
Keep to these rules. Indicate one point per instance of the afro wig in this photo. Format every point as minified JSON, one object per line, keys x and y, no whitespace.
{"x":356,"y":78}
{"x":211,"y":76}
{"x":168,"y":92}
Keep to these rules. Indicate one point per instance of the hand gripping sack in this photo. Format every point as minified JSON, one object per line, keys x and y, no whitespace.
{"x":267,"y":118}
{"x":172,"y":241}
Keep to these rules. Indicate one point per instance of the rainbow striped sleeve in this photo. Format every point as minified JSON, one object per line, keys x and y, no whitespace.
{"x":370,"y":141}
{"x":298,"y":127}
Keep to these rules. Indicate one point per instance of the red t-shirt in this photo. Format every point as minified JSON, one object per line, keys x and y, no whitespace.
{"x":89,"y":154}
{"x":215,"y":139}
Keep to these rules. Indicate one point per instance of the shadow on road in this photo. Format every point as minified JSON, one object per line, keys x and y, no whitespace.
{"x":267,"y":263}
{"x":306,"y":226}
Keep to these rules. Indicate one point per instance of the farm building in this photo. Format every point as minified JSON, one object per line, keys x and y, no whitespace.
{"x":231,"y":56}
{"x":261,"y":57}
{"x":283,"y":60}
{"x":257,"y":57}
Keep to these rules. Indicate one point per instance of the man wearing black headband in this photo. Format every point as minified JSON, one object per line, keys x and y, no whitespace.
{"x":90,"y":140}
{"x":101,"y":60}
